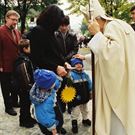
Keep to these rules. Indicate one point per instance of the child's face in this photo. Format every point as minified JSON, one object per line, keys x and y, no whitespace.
{"x":26,"y":50}
{"x":79,"y":67}
{"x":45,"y":90}
{"x":64,"y":28}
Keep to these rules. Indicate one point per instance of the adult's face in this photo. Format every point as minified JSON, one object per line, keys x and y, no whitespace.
{"x":11,"y":21}
{"x":133,"y":15}
{"x":101,"y":23}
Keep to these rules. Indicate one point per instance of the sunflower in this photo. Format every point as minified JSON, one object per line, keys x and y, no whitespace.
{"x":68,"y":94}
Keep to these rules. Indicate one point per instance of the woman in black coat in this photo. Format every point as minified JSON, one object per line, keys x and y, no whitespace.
{"x":45,"y":51}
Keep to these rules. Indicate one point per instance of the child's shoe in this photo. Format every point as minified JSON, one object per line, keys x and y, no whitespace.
{"x":86,"y":122}
{"x":62,"y":131}
{"x":32,"y":120}
{"x":74,"y":126}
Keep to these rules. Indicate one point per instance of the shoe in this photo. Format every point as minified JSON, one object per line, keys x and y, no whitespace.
{"x":27,"y":125}
{"x":74,"y":126}
{"x":11,"y":112}
{"x":32,"y":120}
{"x":86,"y":122}
{"x":62,"y":131}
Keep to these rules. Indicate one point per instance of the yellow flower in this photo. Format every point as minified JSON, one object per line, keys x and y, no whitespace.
{"x":68,"y":94}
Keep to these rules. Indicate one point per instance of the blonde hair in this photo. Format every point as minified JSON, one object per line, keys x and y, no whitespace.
{"x":12,"y":12}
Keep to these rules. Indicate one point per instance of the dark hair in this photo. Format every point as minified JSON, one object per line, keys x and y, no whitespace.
{"x":23,"y":43}
{"x":32,"y":19}
{"x":65,"y":21}
{"x":50,"y":18}
{"x":132,"y":8}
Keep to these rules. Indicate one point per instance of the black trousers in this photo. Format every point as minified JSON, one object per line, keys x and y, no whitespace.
{"x":25,"y":103}
{"x":8,"y":92}
{"x":59,"y":117}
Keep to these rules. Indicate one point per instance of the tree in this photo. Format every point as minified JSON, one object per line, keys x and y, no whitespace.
{"x":1,"y":12}
{"x":23,"y":7}
{"x":117,"y":8}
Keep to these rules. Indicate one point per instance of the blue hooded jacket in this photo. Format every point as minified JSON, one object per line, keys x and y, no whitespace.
{"x":44,"y":103}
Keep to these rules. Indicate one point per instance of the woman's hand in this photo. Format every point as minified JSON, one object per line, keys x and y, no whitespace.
{"x":54,"y":131}
{"x":67,"y":66}
{"x":61,"y":71}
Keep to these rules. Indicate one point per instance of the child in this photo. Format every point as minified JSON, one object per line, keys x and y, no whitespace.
{"x":23,"y":71}
{"x":83,"y":85}
{"x":43,"y":96}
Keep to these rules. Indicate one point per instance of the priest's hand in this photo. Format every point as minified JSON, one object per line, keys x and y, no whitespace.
{"x":79,"y":56}
{"x":93,"y":27}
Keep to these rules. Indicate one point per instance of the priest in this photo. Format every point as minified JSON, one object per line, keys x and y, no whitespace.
{"x":114,"y":49}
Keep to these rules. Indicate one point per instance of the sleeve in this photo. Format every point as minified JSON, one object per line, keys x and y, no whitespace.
{"x":110,"y":50}
{"x":23,"y":75}
{"x":108,"y":44}
{"x":52,"y":127}
{"x":88,"y":58}
{"x":58,"y":83}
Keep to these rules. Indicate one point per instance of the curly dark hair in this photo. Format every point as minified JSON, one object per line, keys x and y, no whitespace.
{"x":51,"y":17}
{"x":65,"y":20}
{"x":132,"y":8}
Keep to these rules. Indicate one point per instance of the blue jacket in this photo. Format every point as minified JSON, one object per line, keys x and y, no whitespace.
{"x":44,"y":104}
{"x":80,"y":77}
{"x":83,"y":85}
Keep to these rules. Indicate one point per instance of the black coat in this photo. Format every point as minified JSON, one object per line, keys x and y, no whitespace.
{"x":68,"y":45}
{"x":45,"y":51}
{"x":23,"y":72}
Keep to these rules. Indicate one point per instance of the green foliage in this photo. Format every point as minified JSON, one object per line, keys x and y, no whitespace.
{"x":48,"y":2}
{"x":117,"y":8}
{"x":26,"y":8}
{"x":1,"y":13}
{"x":75,"y":5}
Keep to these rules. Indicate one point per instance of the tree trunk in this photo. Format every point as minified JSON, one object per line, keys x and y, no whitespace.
{"x":5,"y":8}
{"x":23,"y":20}
{"x":23,"y":16}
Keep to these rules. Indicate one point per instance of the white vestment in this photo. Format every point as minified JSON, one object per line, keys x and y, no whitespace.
{"x":114,"y":78}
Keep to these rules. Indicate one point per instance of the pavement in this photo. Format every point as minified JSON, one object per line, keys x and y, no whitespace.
{"x":9,"y":125}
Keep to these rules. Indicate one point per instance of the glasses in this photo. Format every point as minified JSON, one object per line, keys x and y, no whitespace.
{"x":13,"y":19}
